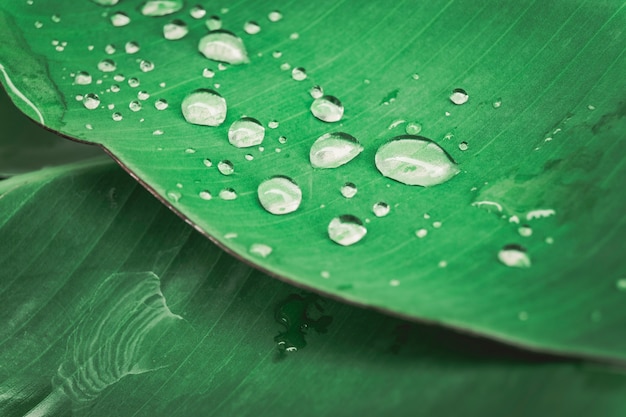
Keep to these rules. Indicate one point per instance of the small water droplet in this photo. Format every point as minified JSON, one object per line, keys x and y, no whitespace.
{"x":591,"y":107}
{"x":134,"y":105}
{"x":228,"y":194}
{"x":415,"y":76}
{"x":273,"y":124}
{"x":115,"y":88}
{"x":143,"y":95}
{"x":119,"y":19}
{"x":334,"y":149}
{"x":213,"y":23}
{"x":131,"y":47}
{"x":421,"y":233}
{"x":174,"y":30}
{"x":119,"y":78}
{"x":463,"y":146}
{"x":414,"y":160}
{"x":107,"y":65}
{"x":208,"y":73}
{"x":327,"y":109}
{"x":109,"y":49}
{"x":413,"y":128}
{"x":117,"y":116}
{"x":437,"y":225}
{"x":549,"y":240}
{"x":620,"y":284}
{"x":279,"y":195}
{"x":298,"y":74}
{"x":111,"y":106}
{"x":260,"y":249}
{"x":207,"y":163}
{"x":459,"y":96}
{"x":225,"y":167}
{"x":91,"y":101}
{"x":175,"y":196}
{"x":275,"y":16}
{"x":133,"y":82}
{"x":514,"y":256}
{"x":146,"y":66}
{"x":346,"y":230}
{"x":205,"y":195}
{"x":190,"y":150}
{"x":88,"y":126}
{"x":161,"y":7}
{"x":197,"y":12}
{"x":55,"y":18}
{"x":294,"y":36}
{"x":325,"y":274}
{"x":525,"y":230}
{"x":285,"y":66}
{"x":38,"y":25}
{"x":251,"y":28}
{"x":282,"y":139}
{"x":277,"y":54}
{"x":161,"y":104}
{"x":82,"y":78}
{"x":381,"y":209}
{"x":394,"y":282}
{"x":246,"y":132}
{"x":223,"y":46}
{"x":348,"y":190}
{"x":157,"y":132}
{"x":204,"y":107}
{"x":316,"y":91}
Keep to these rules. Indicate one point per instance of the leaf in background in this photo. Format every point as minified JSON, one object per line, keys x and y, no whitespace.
{"x":78,"y":293}
{"x":538,"y":142}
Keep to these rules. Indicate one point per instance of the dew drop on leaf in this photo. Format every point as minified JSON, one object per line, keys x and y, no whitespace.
{"x":161,"y":104}
{"x":279,"y":195}
{"x":381,"y":209}
{"x":421,"y":233}
{"x":348,"y":190}
{"x":298,"y":74}
{"x":413,"y":128}
{"x":82,"y":78}
{"x":91,"y":101}
{"x":205,"y":195}
{"x":327,"y":109}
{"x":334,"y":149}
{"x":228,"y":194}
{"x":143,"y":95}
{"x":133,"y":82}
{"x":161,"y":7}
{"x":514,"y":256}
{"x":174,"y":30}
{"x":316,"y":91}
{"x":146,"y":66}
{"x":131,"y":47}
{"x":275,"y":16}
{"x":107,"y":65}
{"x":204,"y":107}
{"x":106,"y":2}
{"x":110,"y":49}
{"x":119,"y":19}
{"x":620,"y":284}
{"x":251,"y":28}
{"x":414,"y":160}
{"x":223,"y":46}
{"x":246,"y":132}
{"x":117,"y":116}
{"x":213,"y":23}
{"x":459,"y":96}
{"x":463,"y":146}
{"x":134,"y":105}
{"x":197,"y":12}
{"x":525,"y":230}
{"x":225,"y":167}
{"x":260,"y":249}
{"x":346,"y":230}
{"x":208,"y":73}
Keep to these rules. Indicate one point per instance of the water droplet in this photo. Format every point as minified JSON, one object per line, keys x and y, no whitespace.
{"x":463,"y":146}
{"x":109,"y":49}
{"x":316,"y":91}
{"x":197,"y":12}
{"x":175,"y":196}
{"x":88,"y":126}
{"x":82,"y":78}
{"x":204,"y":107}
{"x":325,"y":274}
{"x":224,"y":46}
{"x":294,"y":36}
{"x":131,"y":47}
{"x":133,"y":82}
{"x":273,"y":124}
{"x":118,"y":77}
{"x":134,"y":105}
{"x":208,"y":73}
{"x":327,"y":109}
{"x":107,"y":65}
{"x":437,"y":225}
{"x":145,"y":65}
{"x":282,"y":139}
{"x":621,"y":284}
{"x":381,"y":209}
{"x":279,"y":195}
{"x":251,"y":28}
{"x":190,"y":150}
{"x":228,"y":194}
{"x":275,"y":16}
{"x":260,"y":249}
{"x":205,"y":195}
{"x":285,"y":66}
{"x":346,"y":230}
{"x":117,"y":116}
{"x":225,"y":167}
{"x":161,"y":7}
{"x":421,"y":233}
{"x":525,"y":230}
{"x":213,"y":23}
{"x":246,"y":132}
{"x":348,"y":190}
{"x":248,"y":157}
{"x":119,"y":19}
{"x":176,"y":29}
{"x":414,"y":160}
{"x":55,"y":18}
{"x":334,"y":149}
{"x":591,"y":107}
{"x":91,"y":101}
{"x":207,"y":163}
{"x":143,"y":95}
{"x":514,"y":256}
{"x":459,"y":96}
{"x":111,"y":106}
{"x":277,"y":54}
{"x":161,"y":104}
{"x":298,"y":74}
{"x":158,"y":132}
{"x":549,"y":240}
{"x":496,"y":104}
{"x":38,"y":24}
{"x":413,"y":128}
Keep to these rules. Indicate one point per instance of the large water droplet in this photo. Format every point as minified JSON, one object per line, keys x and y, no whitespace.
{"x":223,"y":46}
{"x":348,"y":190}
{"x":246,"y":132}
{"x":279,"y":195}
{"x":381,"y":209}
{"x":82,"y":78}
{"x":91,"y":101}
{"x":414,"y":160}
{"x":459,"y":96}
{"x":176,"y":29}
{"x":225,"y":167}
{"x":119,"y":19}
{"x":514,"y":256}
{"x":204,"y":107}
{"x":327,"y":109}
{"x":334,"y":149}
{"x":346,"y":230}
{"x":133,"y":82}
{"x":161,"y":7}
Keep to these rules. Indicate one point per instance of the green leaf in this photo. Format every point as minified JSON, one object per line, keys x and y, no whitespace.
{"x":543,"y":128}
{"x":138,"y":315}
